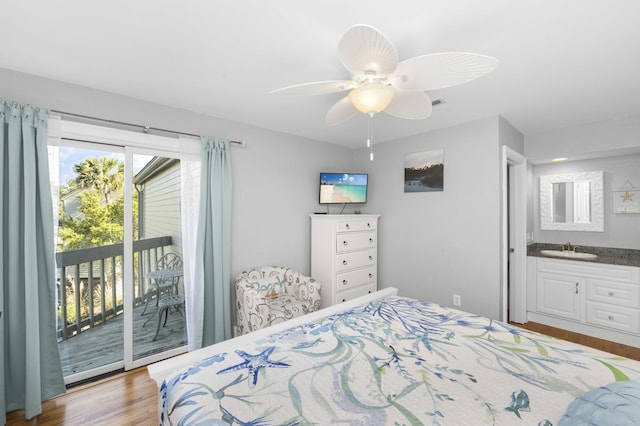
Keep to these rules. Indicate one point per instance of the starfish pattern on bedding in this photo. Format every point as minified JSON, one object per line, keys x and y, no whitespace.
{"x":253,"y":363}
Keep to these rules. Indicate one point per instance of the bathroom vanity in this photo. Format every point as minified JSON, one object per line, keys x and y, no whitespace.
{"x":597,"y":296}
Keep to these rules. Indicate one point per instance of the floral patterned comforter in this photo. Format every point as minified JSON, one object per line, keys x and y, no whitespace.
{"x":397,"y":361}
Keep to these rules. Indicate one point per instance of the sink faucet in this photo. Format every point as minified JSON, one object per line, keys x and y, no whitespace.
{"x":569,"y":247}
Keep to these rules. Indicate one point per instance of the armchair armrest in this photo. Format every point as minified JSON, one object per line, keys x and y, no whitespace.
{"x":269,"y":295}
{"x":252,"y":309}
{"x":309,"y":290}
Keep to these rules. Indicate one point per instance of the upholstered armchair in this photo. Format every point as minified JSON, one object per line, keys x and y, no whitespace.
{"x":272,"y":294}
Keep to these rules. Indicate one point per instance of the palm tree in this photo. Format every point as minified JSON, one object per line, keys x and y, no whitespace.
{"x":104,"y":174}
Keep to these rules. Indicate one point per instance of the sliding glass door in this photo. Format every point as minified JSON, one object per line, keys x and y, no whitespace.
{"x":158,"y":313}
{"x":89,"y":257}
{"x":119,"y":253}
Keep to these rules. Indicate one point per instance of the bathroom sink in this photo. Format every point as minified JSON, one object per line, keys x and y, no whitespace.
{"x":565,"y":254}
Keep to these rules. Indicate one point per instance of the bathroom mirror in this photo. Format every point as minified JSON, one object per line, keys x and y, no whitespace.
{"x":572,"y":202}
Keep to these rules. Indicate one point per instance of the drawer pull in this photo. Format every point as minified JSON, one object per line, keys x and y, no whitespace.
{"x":344,"y":262}
{"x":370,"y":240}
{"x":577,"y":284}
{"x":370,"y":257}
{"x":370,"y":275}
{"x":347,"y":226}
{"x":610,"y":317}
{"x":611,"y":293}
{"x":368,"y":224}
{"x":345,"y":243}
{"x":344,"y":300}
{"x":344,"y":282}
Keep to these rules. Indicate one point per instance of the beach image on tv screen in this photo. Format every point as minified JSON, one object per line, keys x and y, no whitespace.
{"x":343,"y":188}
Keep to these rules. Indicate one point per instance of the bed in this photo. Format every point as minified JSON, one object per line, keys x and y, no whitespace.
{"x":384,"y":360}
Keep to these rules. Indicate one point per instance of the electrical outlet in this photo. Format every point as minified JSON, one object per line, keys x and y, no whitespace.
{"x":457,"y":300}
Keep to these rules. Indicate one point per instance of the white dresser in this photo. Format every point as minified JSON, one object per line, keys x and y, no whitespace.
{"x":344,"y":255}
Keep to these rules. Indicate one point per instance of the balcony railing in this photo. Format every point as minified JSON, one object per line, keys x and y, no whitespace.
{"x":90,"y":286}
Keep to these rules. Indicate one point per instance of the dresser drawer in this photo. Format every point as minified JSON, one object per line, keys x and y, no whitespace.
{"x":355,"y":241}
{"x":343,"y":296}
{"x":613,"y":292}
{"x":357,"y":259}
{"x":356,"y":225}
{"x":349,"y":280}
{"x":616,"y":317}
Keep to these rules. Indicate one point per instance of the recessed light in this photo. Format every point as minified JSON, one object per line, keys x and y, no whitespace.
{"x":558,"y":160}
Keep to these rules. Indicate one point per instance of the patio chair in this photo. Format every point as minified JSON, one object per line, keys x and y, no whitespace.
{"x":164,"y":279}
{"x":166,"y":287}
{"x":272,"y":294}
{"x":164,"y":306}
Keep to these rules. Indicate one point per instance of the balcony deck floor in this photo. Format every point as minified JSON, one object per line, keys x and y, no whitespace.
{"x":104,"y":344}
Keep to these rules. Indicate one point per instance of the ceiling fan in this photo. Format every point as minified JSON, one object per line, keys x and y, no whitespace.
{"x":381,"y":83}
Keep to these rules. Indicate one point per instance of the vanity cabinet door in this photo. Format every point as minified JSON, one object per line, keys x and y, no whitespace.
{"x":560,"y":295}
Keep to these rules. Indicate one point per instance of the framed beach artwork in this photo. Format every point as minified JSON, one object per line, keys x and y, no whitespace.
{"x":424,"y":171}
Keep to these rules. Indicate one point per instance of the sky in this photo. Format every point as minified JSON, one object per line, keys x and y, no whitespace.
{"x":423,"y":159}
{"x":70,"y":156}
{"x":344,"y":178}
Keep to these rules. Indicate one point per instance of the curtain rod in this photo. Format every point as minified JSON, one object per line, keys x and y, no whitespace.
{"x":145,"y":129}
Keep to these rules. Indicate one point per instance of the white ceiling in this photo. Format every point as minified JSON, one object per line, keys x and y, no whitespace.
{"x":562,"y":62}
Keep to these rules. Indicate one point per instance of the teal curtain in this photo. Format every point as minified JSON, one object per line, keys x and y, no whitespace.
{"x":214,"y":239}
{"x":29,"y":353}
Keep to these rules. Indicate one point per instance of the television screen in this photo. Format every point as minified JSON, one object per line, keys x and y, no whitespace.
{"x":343,"y":188}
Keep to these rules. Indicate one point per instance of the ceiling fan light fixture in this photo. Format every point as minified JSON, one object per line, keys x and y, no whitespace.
{"x":372,"y":97}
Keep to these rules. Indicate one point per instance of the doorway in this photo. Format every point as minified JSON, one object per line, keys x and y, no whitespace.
{"x":514,"y":242}
{"x":119,"y":215}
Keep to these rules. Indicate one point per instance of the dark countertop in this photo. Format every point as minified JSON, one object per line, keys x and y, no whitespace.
{"x":608,"y":255}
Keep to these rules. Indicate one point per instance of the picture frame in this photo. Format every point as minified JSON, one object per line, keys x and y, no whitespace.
{"x":424,"y":171}
{"x":626,"y":201}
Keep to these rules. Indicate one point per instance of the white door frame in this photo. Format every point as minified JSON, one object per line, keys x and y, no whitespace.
{"x":513,"y":291}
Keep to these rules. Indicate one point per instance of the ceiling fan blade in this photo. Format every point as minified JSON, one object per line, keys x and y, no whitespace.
{"x":364,"y":50}
{"x":440,"y":70}
{"x":316,"y":88}
{"x":340,"y":112}
{"x":413,"y":105}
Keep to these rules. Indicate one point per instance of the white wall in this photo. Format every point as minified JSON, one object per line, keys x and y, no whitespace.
{"x":612,"y":146}
{"x":592,"y":140}
{"x":432,"y":245}
{"x":275,"y":188}
{"x":275,"y":178}
{"x":620,"y":230}
{"x":510,"y":136}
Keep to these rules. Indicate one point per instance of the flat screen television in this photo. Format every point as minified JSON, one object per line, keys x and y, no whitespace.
{"x":343,"y":188}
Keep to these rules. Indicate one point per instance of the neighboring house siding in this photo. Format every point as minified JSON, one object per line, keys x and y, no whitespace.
{"x":161,"y":205}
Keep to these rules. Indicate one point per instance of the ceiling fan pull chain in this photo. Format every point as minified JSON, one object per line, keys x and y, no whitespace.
{"x":369,"y":141}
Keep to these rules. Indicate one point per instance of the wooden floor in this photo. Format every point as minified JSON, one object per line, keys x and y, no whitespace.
{"x":132,"y":398}
{"x":125,"y":399}
{"x":604,"y":345}
{"x":104,"y":344}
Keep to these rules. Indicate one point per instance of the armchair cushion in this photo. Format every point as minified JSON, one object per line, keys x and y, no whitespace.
{"x":272,"y":294}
